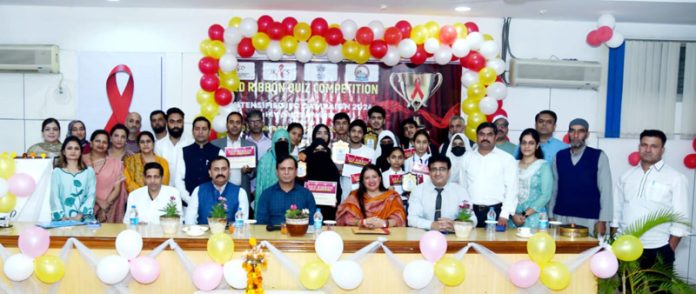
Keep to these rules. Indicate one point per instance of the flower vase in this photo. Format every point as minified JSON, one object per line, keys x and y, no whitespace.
{"x":170,"y":224}
{"x":217,"y":224}
{"x":297,"y":227}
{"x":462,"y":229}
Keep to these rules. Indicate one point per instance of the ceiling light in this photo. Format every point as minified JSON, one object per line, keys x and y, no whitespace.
{"x":462,"y":8}
{"x":113,"y":0}
{"x":383,"y":7}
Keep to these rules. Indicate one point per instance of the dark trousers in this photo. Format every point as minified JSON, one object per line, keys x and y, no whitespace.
{"x":649,"y":257}
{"x":481,"y":212}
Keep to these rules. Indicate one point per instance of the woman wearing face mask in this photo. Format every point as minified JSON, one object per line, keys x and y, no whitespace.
{"x":459,"y":144}
{"x":387,"y":142}
{"x":50,"y":133}
{"x":77,"y":128}
{"x":320,"y":131}
{"x":320,"y":167}
{"x":266,"y":168}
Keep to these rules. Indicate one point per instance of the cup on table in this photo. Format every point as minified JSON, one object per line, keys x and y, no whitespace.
{"x":330,"y":225}
{"x":524,"y":231}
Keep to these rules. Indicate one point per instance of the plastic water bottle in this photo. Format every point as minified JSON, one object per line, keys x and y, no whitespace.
{"x":491,"y":218}
{"x":543,"y":220}
{"x":318,"y":220}
{"x":239,"y":222}
{"x":134,"y":216}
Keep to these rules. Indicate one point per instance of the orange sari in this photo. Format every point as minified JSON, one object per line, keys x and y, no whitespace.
{"x":387,"y":206}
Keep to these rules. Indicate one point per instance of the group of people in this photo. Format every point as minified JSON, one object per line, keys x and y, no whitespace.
{"x":380,"y":179}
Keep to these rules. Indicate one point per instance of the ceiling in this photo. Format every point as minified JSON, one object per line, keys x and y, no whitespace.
{"x":639,"y":11}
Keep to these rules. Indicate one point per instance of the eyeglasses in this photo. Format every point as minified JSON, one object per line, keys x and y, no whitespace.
{"x":439,"y":170}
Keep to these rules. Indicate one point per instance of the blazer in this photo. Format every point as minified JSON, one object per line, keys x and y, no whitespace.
{"x":246,"y":178}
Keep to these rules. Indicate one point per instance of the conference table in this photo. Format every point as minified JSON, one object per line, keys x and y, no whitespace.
{"x":380,"y":275}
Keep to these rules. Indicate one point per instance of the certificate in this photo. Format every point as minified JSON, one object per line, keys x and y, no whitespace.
{"x":409,"y":152}
{"x":339,"y":151}
{"x":324,"y":192}
{"x":301,"y":169}
{"x":354,"y":181}
{"x":354,"y":164}
{"x":395,"y":180}
{"x":420,"y":168}
{"x":241,"y":156}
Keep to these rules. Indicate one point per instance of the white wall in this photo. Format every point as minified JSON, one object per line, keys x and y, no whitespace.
{"x":28,"y":98}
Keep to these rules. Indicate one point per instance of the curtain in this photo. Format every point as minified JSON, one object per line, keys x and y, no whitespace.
{"x":650,"y":87}
{"x":688,"y":123}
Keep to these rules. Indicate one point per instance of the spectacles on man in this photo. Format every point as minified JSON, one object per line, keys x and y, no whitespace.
{"x":438,"y":170}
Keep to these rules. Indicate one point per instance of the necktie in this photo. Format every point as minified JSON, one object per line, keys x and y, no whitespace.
{"x":438,"y":203}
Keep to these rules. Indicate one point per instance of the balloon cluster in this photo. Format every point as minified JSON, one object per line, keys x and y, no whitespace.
{"x":449,"y":270}
{"x":690,"y":159}
{"x":13,"y":185}
{"x":541,"y":249}
{"x":605,"y":33}
{"x":347,"y":274}
{"x":209,"y":275}
{"x":113,"y":269}
{"x":33,"y":244}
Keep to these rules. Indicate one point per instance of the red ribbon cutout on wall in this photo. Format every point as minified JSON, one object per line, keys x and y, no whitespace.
{"x":417,"y":89}
{"x":433,"y":119}
{"x":120,"y":102}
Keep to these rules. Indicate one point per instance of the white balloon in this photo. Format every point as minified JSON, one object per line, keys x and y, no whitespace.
{"x":18,"y":267}
{"x":220,"y":123}
{"x":616,"y":40}
{"x":392,"y":57}
{"x":349,"y":28}
{"x":228,"y":63}
{"x":475,"y":39}
{"x":377,"y":29}
{"x":418,"y":274}
{"x":460,"y":48}
{"x":497,"y":90}
{"x":112,"y":269}
{"x":129,"y":243}
{"x":232,"y":36}
{"x":443,"y":55}
{"x":3,"y":187}
{"x":231,"y":49}
{"x":273,"y":52}
{"x":302,"y":52}
{"x":489,"y":49}
{"x":407,"y":48}
{"x":248,"y":27}
{"x":488,"y":105}
{"x":347,"y":274}
{"x":335,"y":53}
{"x":431,"y":45}
{"x":234,"y":274}
{"x":329,"y":246}
{"x":497,"y":64}
{"x":469,"y":77}
{"x":606,"y":20}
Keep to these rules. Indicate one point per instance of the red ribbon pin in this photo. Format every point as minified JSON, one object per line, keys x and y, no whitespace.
{"x":120,"y":102}
{"x":417,"y":89}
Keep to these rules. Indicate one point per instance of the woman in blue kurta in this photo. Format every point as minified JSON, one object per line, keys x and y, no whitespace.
{"x":73,"y":184}
{"x":535,"y":181}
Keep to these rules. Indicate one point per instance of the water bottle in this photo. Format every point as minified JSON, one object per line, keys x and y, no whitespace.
{"x":543,"y":220}
{"x":318,"y":220}
{"x":491,"y":220}
{"x":134,"y":216}
{"x":239,"y":222}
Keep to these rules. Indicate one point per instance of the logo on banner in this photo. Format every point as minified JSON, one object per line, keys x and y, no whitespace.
{"x":286,"y":71}
{"x":415,"y":88}
{"x":246,"y":71}
{"x":362,"y":73}
{"x":320,"y":72}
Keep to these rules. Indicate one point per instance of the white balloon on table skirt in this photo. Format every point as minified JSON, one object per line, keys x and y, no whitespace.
{"x":418,"y":274}
{"x":347,"y":274}
{"x":18,"y":267}
{"x":112,"y":269}
{"x":129,"y":243}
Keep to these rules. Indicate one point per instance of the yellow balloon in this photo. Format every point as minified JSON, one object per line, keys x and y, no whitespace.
{"x":220,"y":247}
{"x":260,"y":41}
{"x":335,"y":25}
{"x":449,"y":271}
{"x":314,"y":274}
{"x":476,"y":91}
{"x":7,"y":167}
{"x":204,"y":97}
{"x":8,"y":202}
{"x":288,"y":45}
{"x":205,"y":46}
{"x":555,"y":275}
{"x":209,"y":110}
{"x":302,"y":31}
{"x":627,"y":248}
{"x":350,"y":49}
{"x":470,"y":106}
{"x":227,"y":75}
{"x":475,"y":119}
{"x":418,"y":34}
{"x":541,"y":248}
{"x":433,"y":29}
{"x":487,"y":37}
{"x":487,"y":75}
{"x":470,"y":132}
{"x":231,"y":83}
{"x":462,"y":32}
{"x":49,"y":268}
{"x":317,"y":45}
{"x":363,"y":54}
{"x":216,"y":49}
{"x":234,"y":22}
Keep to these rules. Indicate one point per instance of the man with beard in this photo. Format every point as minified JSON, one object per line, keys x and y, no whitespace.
{"x":255,"y":134}
{"x":545,"y":124}
{"x":456,"y":126}
{"x":133,"y":124}
{"x":501,"y":139}
{"x":193,"y":163}
{"x":357,"y":131}
{"x":582,"y":190}
{"x":210,"y":193}
{"x":158,"y":122}
{"x":489,"y":176}
{"x":170,"y":147}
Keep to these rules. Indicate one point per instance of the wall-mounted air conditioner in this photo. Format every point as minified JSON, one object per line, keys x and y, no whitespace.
{"x":29,"y":58}
{"x":555,"y":73}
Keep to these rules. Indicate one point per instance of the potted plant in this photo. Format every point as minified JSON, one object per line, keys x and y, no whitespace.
{"x":218,"y":216}
{"x":463,"y":224}
{"x":171,"y":219}
{"x":297,"y":221}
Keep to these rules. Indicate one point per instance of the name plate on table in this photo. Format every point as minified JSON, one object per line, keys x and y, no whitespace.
{"x":409,"y":152}
{"x":354,"y":164}
{"x":339,"y":150}
{"x":324,"y":192}
{"x":375,"y":231}
{"x":241,"y":156}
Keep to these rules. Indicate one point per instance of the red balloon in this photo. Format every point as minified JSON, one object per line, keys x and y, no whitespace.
{"x":223,"y":96}
{"x":392,"y":35}
{"x":500,"y":104}
{"x":334,"y":36}
{"x":364,"y":35}
{"x":263,"y":22}
{"x":420,"y":56}
{"x":215,"y":32}
{"x":693,"y":144}
{"x":566,"y":139}
{"x":210,"y":82}
{"x":448,"y":34}
{"x":634,"y":158}
{"x":208,"y":65}
{"x":276,"y":30}
{"x":471,"y":27}
{"x":604,"y":33}
{"x":404,"y":27}
{"x":213,"y":135}
{"x":473,"y":61}
{"x":593,"y":39}
{"x":690,"y":161}
{"x":378,"y":48}
{"x":245,"y":48}
{"x":319,"y":26}
{"x":289,"y":24}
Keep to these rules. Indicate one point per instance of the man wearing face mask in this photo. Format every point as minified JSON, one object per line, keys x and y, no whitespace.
{"x":280,"y":148}
{"x":208,"y":194}
{"x":170,"y":147}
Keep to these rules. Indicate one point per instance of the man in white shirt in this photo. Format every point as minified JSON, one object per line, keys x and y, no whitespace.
{"x":489,"y":177}
{"x":208,"y":194}
{"x":435,"y":203}
{"x":357,"y":131}
{"x":647,"y":188}
{"x":158,"y":123}
{"x":151,"y":199}
{"x":170,"y":146}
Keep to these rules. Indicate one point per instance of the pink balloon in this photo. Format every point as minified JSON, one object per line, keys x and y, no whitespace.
{"x":433,"y":246}
{"x":207,"y":276}
{"x":21,"y":184}
{"x":604,"y":264}
{"x":524,"y":273}
{"x":144,"y":269}
{"x":33,"y":241}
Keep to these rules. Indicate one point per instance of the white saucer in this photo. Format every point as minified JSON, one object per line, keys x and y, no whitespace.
{"x":524,"y":235}
{"x":491,"y":221}
{"x":555,"y":223}
{"x":198,"y":231}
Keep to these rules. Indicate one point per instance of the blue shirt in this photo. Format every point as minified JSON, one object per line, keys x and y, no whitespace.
{"x":274,"y":202}
{"x":550,"y":148}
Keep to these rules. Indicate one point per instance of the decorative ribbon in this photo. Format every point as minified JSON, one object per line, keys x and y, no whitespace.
{"x":120,"y":102}
{"x":417,"y":89}
{"x":431,"y":118}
